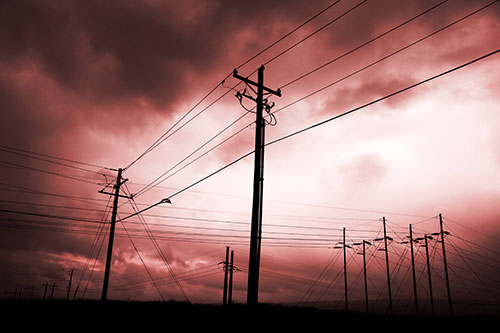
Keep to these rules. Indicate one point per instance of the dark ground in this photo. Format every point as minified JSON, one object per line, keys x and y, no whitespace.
{"x":58,"y":315}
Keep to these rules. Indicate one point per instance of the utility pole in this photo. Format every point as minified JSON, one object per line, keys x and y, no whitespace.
{"x":231,"y":270}
{"x":258,"y":182}
{"x":387,"y":266}
{"x":109,"y":256}
{"x":445,"y":264}
{"x":345,"y":272}
{"x":45,"y":286}
{"x":54,"y":286}
{"x":69,"y":285}
{"x":431,"y":296}
{"x":226,"y":268}
{"x":413,"y":272}
{"x":364,"y":272}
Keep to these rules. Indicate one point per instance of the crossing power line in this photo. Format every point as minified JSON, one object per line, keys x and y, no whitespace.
{"x":356,"y":109}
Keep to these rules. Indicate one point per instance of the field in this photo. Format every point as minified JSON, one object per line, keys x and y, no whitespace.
{"x":65,"y":316}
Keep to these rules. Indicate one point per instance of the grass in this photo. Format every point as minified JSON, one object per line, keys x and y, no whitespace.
{"x":59,"y":315}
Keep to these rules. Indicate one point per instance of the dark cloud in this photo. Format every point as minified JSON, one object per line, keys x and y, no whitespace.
{"x":368,"y":89}
{"x":74,"y":70}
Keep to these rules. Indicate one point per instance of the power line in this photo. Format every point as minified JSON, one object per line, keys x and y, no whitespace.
{"x":27,"y":153}
{"x":385,"y":57}
{"x":50,"y":216}
{"x":158,"y":248}
{"x":362,"y":45}
{"x":165,"y":135}
{"x":331,"y":119}
{"x":143,"y":263}
{"x":316,"y":31}
{"x":49,"y":172}
{"x":157,"y":180}
{"x":288,"y":34}
{"x":385,"y":97}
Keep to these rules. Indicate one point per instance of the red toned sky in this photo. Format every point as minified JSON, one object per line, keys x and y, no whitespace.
{"x":99,"y":82}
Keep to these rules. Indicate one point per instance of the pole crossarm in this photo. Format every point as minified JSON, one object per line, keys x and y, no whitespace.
{"x":255,"y":84}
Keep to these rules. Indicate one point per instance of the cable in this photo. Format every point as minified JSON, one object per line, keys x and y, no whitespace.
{"x":20,"y":152}
{"x":385,"y":97}
{"x":152,"y":184}
{"x":143,"y":263}
{"x":93,"y":246}
{"x":288,"y":33}
{"x":362,"y":45}
{"x":315,"y":32}
{"x":163,"y":137}
{"x":386,"y":57}
{"x":331,"y":119}
{"x":49,"y":172}
{"x":158,"y":248}
{"x":51,"y":216}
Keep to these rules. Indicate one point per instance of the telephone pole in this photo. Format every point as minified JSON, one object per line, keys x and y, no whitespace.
{"x":413,"y":272}
{"x":69,"y":285}
{"x":226,"y":268}
{"x":258,"y":182}
{"x":387,"y":266}
{"x":231,"y":270}
{"x":445,"y":264}
{"x":431,"y":296}
{"x":45,"y":286}
{"x":109,"y":256}
{"x":364,"y":273}
{"x":345,"y":272}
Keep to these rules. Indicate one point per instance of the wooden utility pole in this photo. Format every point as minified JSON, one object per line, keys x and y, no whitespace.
{"x":231,"y":270}
{"x":54,"y":286}
{"x":226,"y":271}
{"x":387,"y":266}
{"x":109,"y":256}
{"x":258,"y":182}
{"x":345,"y":272}
{"x":413,"y":272}
{"x":69,"y":285}
{"x":364,"y":273}
{"x":431,"y":296}
{"x":45,"y":286}
{"x":445,"y":264}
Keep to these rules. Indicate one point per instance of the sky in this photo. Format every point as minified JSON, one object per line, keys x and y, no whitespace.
{"x":86,"y":87}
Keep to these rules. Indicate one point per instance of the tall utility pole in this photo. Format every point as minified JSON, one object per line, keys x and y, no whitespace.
{"x":226,"y":271}
{"x":445,"y":264}
{"x":345,"y":272}
{"x":45,"y":286}
{"x":53,"y":287}
{"x":109,"y":256}
{"x":413,"y":272}
{"x":431,"y":296}
{"x":387,"y":266}
{"x":364,"y":273}
{"x":230,"y":291}
{"x":69,"y":285}
{"x":258,"y":182}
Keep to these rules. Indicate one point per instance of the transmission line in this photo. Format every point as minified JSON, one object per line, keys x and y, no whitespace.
{"x":378,"y":100}
{"x":362,"y":45}
{"x":385,"y":57}
{"x":316,"y":31}
{"x":288,"y":33}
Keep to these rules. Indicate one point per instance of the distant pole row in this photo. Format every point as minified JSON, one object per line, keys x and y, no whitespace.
{"x":229,"y":268}
{"x":411,"y":241}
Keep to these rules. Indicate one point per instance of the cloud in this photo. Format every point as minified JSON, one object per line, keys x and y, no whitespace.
{"x":364,"y":170}
{"x":99,"y":80}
